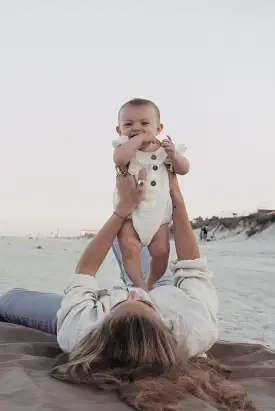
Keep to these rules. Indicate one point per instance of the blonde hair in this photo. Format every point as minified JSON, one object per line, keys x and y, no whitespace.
{"x":139,"y":358}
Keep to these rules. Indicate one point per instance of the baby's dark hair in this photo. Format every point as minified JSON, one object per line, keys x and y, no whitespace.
{"x":140,"y":102}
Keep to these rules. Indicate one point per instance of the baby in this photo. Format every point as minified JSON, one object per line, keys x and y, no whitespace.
{"x":138,"y":146}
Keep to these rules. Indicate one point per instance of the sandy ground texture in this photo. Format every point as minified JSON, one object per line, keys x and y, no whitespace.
{"x":244,"y":274}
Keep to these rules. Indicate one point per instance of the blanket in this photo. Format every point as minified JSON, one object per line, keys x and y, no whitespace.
{"x":27,"y":355}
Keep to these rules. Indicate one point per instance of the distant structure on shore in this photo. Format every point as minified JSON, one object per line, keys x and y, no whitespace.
{"x":87,"y":233}
{"x":249,"y":224}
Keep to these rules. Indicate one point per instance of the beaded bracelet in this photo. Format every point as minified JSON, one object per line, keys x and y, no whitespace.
{"x":119,"y":216}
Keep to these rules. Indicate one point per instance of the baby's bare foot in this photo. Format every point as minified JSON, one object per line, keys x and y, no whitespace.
{"x":150,"y":285}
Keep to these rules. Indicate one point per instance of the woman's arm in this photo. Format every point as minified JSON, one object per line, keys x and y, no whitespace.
{"x":185,"y":241}
{"x":98,"y":248}
{"x":199,"y":299}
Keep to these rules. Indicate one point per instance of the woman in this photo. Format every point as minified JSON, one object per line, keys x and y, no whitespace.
{"x":148,"y":347}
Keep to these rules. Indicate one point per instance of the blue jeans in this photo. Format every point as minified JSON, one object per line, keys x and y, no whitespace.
{"x":38,"y":310}
{"x":145,"y":266}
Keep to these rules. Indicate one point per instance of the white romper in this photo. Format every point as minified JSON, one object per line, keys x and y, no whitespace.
{"x":156,"y":207}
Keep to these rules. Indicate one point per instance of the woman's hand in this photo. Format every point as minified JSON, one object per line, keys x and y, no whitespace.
{"x":130,"y":196}
{"x":130,"y":193}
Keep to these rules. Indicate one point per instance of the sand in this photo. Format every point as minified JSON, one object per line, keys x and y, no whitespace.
{"x":244,"y":276}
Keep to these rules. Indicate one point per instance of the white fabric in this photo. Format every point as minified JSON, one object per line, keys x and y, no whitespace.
{"x":119,"y":141}
{"x":156,"y":207}
{"x":191,"y":304}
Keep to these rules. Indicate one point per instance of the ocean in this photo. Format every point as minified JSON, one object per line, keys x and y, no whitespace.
{"x":244,"y":275}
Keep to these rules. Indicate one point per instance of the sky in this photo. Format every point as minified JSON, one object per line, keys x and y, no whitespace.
{"x":66,"y":67}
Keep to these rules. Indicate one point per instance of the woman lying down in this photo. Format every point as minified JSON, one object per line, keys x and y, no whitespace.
{"x":147,"y":346}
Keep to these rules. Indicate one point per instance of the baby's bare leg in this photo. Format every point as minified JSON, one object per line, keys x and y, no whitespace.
{"x":130,"y":246}
{"x":159,"y":249}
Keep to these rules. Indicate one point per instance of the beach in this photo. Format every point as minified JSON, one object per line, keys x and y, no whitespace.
{"x":244,"y":275}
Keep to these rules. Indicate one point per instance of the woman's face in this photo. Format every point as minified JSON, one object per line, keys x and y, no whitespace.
{"x":135,"y":304}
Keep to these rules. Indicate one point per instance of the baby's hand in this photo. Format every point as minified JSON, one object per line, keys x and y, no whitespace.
{"x":149,"y":142}
{"x":148,"y":138}
{"x":169,"y":147}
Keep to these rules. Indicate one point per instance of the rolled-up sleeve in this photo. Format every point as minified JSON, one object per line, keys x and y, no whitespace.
{"x":119,"y":141}
{"x":195,"y":280}
{"x":78,"y":314}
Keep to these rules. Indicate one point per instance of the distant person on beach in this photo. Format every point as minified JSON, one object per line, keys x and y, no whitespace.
{"x":138,"y":146}
{"x":203,"y":233}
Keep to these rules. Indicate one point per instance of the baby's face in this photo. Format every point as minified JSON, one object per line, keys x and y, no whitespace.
{"x":141,"y":119}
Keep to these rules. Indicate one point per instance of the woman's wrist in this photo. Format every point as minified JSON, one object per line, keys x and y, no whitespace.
{"x":120,"y":217}
{"x":123,"y":211}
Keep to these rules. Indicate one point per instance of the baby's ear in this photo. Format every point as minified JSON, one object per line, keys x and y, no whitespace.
{"x":160,"y":128}
{"x":118,"y":130}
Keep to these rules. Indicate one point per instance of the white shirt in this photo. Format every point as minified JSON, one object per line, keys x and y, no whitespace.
{"x":190,"y":303}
